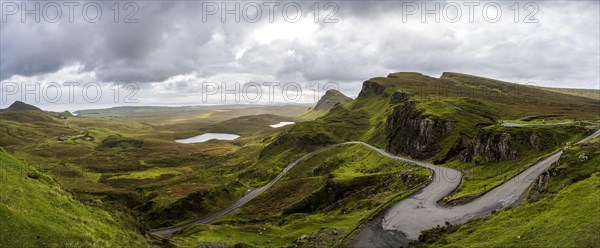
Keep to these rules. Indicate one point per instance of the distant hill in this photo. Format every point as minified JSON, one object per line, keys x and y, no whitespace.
{"x":589,"y":93}
{"x":20,"y":106}
{"x":23,"y":112}
{"x":64,"y":115}
{"x":326,"y":103}
{"x":247,"y":124}
{"x":140,"y":111}
{"x":330,"y":99}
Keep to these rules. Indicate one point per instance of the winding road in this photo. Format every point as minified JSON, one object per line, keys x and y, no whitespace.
{"x":512,"y":124}
{"x":168,"y":231}
{"x":405,"y":220}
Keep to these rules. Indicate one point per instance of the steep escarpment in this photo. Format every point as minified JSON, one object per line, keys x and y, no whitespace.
{"x":503,"y":143}
{"x":371,"y":86}
{"x":494,"y":147}
{"x":411,"y":132}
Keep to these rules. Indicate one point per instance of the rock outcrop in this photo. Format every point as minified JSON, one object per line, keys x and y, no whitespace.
{"x":370,"y":86}
{"x":496,"y":146}
{"x":410,"y":132}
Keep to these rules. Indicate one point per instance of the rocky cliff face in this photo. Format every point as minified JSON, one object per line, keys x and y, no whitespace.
{"x":369,"y":86}
{"x":496,"y":146}
{"x":410,"y":132}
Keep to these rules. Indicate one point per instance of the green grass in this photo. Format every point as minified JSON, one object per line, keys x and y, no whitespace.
{"x":480,"y":179}
{"x":271,"y":235}
{"x":152,"y":173}
{"x":311,"y":114}
{"x":36,"y":212}
{"x":317,"y":202}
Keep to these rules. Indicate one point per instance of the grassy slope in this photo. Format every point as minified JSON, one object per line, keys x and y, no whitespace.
{"x":566,"y":214}
{"x":317,"y":202}
{"x":36,"y":212}
{"x":589,"y":93}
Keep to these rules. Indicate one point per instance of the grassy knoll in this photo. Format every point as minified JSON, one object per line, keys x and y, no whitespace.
{"x":36,"y":212}
{"x":316,"y":203}
{"x":562,"y":210}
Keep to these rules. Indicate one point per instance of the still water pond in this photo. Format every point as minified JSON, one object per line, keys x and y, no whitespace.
{"x":208,"y":136}
{"x":281,"y":124}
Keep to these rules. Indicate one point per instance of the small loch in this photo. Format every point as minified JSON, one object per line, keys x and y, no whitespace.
{"x":208,"y":136}
{"x":281,"y":124}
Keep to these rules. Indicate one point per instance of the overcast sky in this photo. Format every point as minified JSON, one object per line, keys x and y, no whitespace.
{"x":175,"y":46}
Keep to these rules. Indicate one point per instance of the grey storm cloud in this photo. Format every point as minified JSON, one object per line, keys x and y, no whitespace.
{"x":369,"y":40}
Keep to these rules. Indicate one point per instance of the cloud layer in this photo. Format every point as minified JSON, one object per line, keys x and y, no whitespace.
{"x":170,"y":50}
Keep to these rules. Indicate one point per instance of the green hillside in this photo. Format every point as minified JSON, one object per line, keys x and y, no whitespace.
{"x":318,"y":202}
{"x":589,"y":93}
{"x":36,"y":212}
{"x":132,"y":164}
{"x":450,"y":120}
